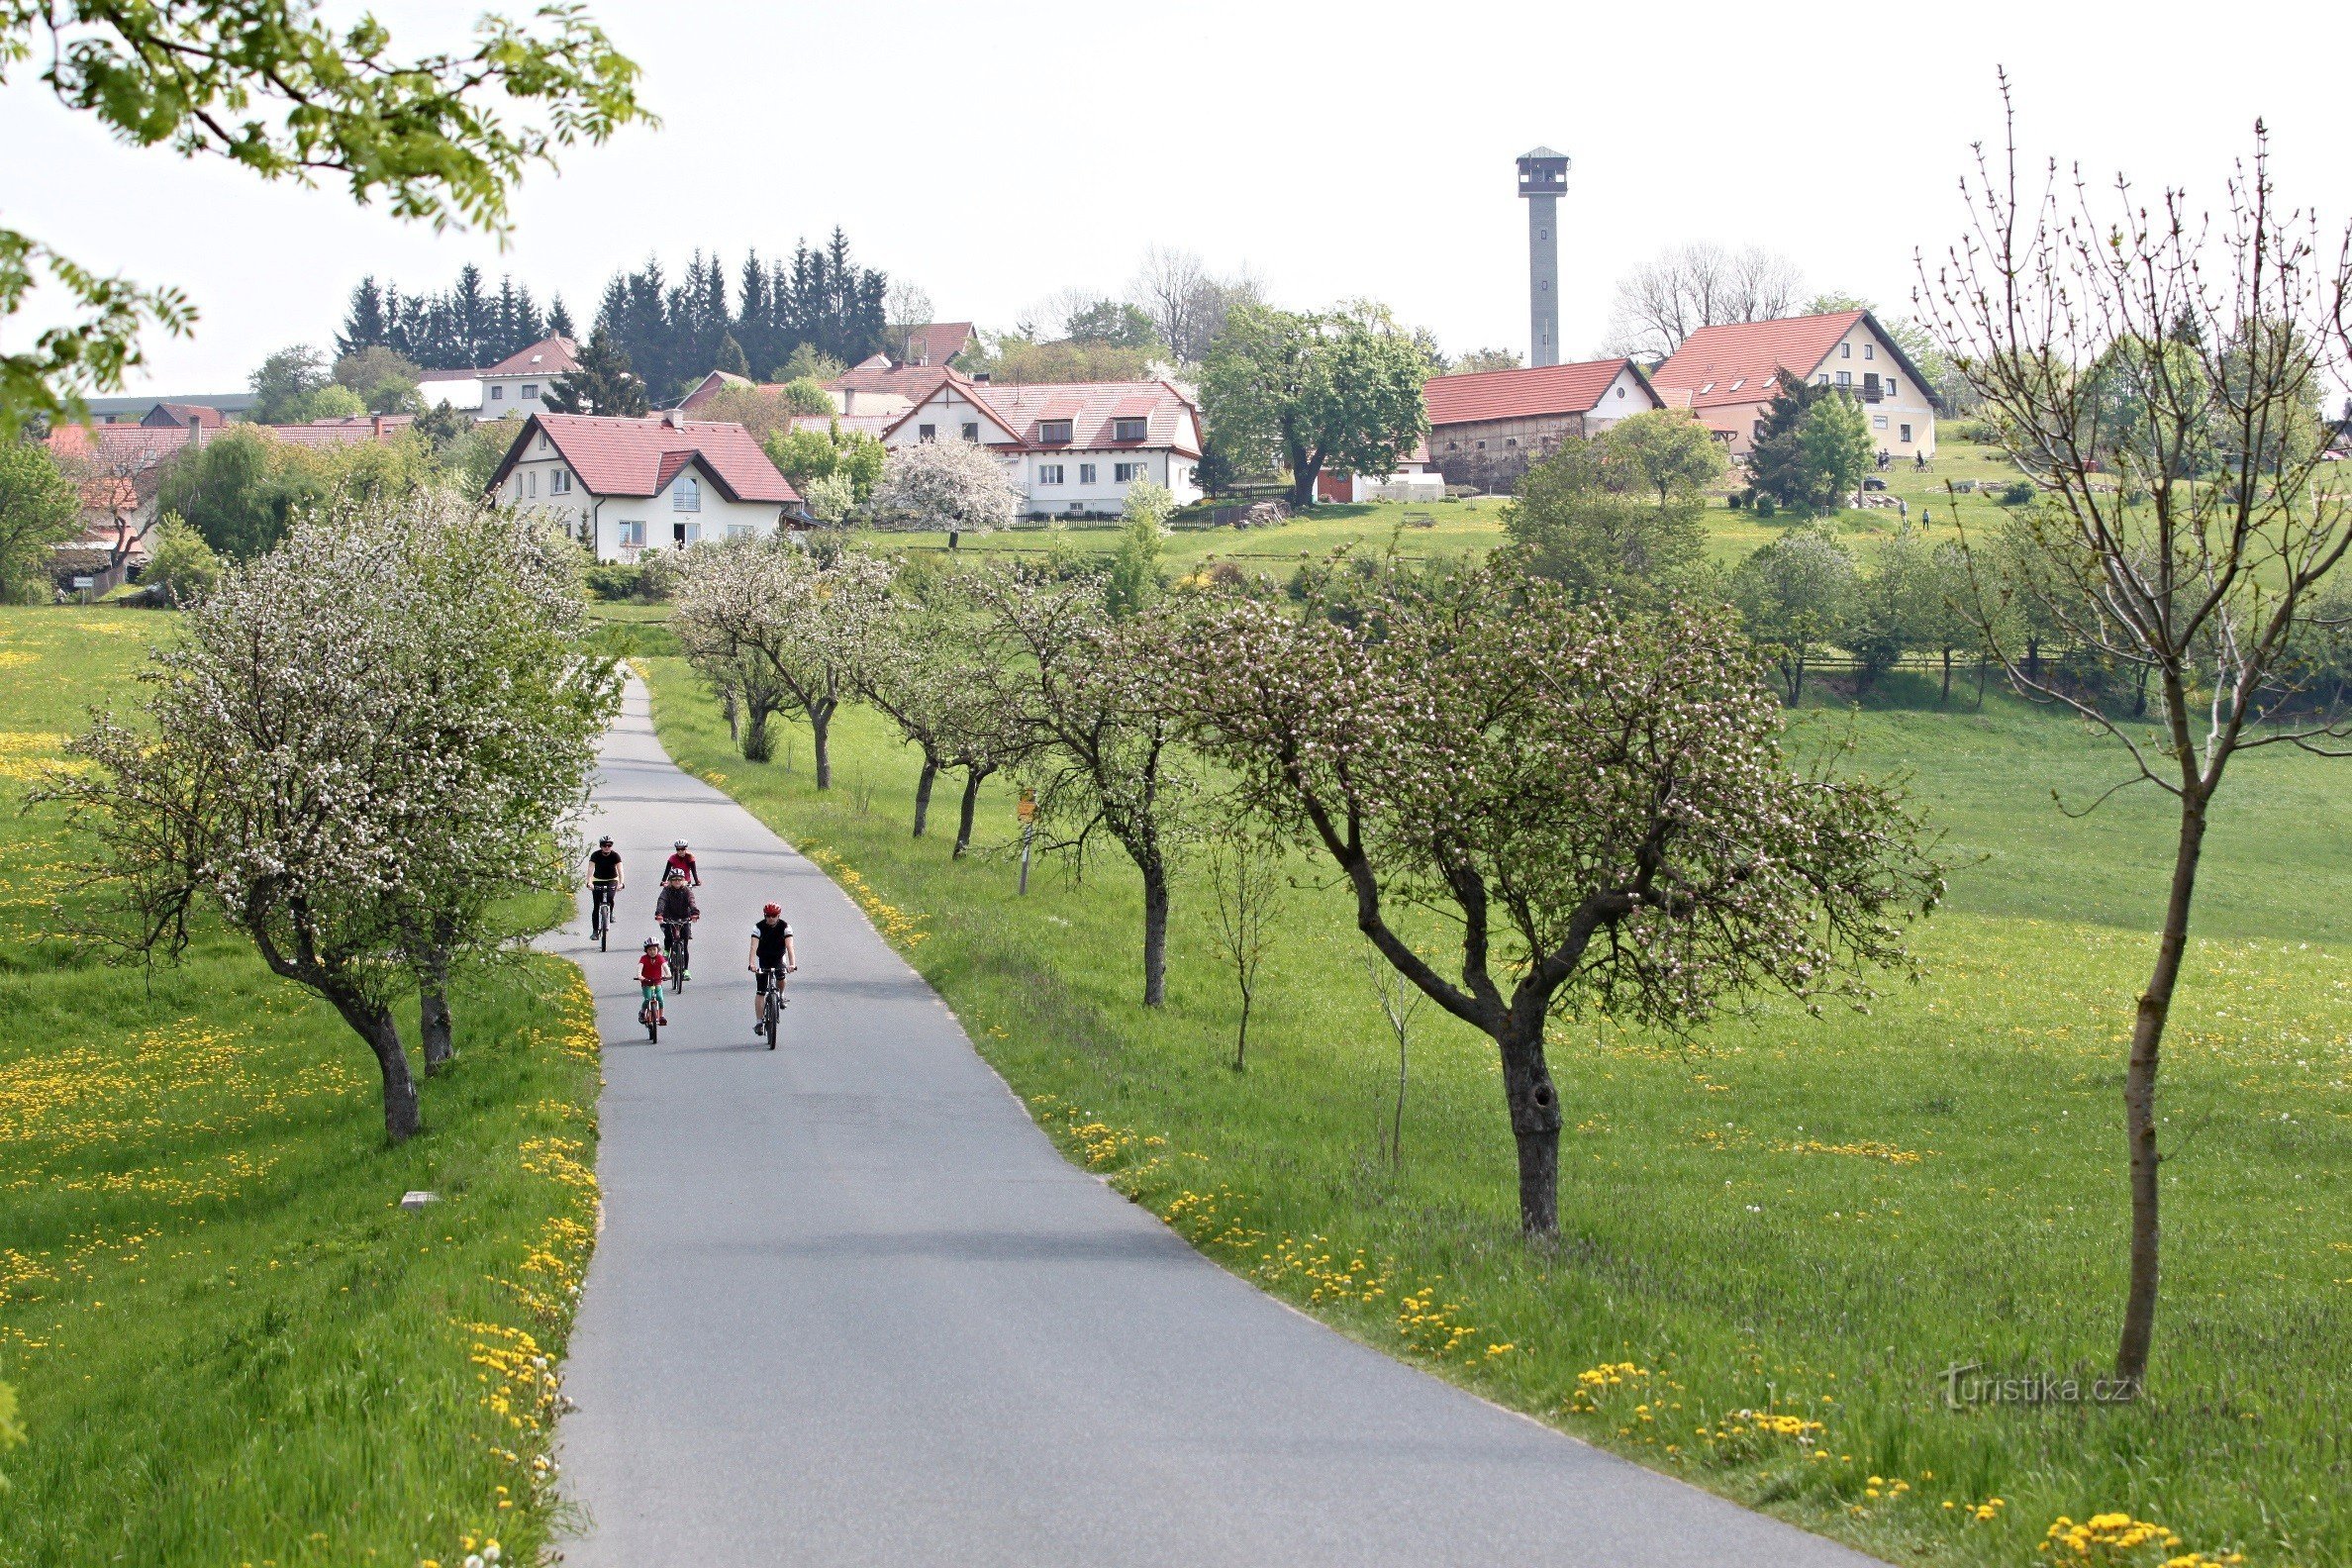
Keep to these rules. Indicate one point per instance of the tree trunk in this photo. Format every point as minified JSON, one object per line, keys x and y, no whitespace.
{"x":735,"y":717}
{"x":2139,"y":1097}
{"x":1947,"y":689}
{"x":374,"y":1024}
{"x":922,"y":789}
{"x":821,"y":725}
{"x":1155,"y":937}
{"x":2033,"y":659}
{"x":433,"y":1011}
{"x":1534,"y":1125}
{"x":1241,"y":1036}
{"x":971,"y":806}
{"x":758,"y":746}
{"x":1397,"y":1119}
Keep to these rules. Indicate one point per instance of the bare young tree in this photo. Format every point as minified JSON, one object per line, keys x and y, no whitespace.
{"x":1174,"y":288}
{"x":926,"y":666}
{"x":1699,"y":284}
{"x":1244,"y":890}
{"x":2157,"y":371}
{"x":1400,"y":1000}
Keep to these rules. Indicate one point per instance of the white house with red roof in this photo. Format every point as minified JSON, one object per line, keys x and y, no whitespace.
{"x":517,"y":384}
{"x":1072,"y":449}
{"x":1727,"y":374}
{"x":1486,"y":427}
{"x":626,"y":486}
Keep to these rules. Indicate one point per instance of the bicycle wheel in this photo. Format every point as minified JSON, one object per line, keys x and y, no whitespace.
{"x":776,"y":1010}
{"x":677,"y":957}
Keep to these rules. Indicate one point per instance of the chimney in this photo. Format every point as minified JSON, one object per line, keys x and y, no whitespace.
{"x":672,"y":418}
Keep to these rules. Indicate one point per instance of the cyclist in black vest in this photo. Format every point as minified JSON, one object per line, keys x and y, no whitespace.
{"x":772,"y":959}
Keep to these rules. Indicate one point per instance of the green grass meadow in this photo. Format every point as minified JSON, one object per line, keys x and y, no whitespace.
{"x":228,"y":1343}
{"x":1785,"y":1220}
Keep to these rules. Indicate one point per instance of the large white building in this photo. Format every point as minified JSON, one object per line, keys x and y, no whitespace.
{"x":627,"y":486}
{"x":1071,"y":449}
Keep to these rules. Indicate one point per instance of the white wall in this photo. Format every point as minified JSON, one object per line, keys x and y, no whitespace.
{"x":1862,"y":351}
{"x":947,"y":411}
{"x":1620,"y":399}
{"x":503,"y":395}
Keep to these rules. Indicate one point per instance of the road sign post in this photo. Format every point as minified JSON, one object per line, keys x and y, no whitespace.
{"x":1028,"y":809}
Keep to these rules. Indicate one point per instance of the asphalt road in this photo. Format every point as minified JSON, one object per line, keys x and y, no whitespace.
{"x":851,"y":1306}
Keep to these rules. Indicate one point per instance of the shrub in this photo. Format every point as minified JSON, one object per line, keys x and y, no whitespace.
{"x":1766,"y":506}
{"x":1977,"y":431}
{"x":181,"y":568}
{"x":614,"y":581}
{"x":2017,"y":493}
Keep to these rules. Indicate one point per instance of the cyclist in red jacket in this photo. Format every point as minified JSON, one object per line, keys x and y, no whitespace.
{"x":682,"y":859}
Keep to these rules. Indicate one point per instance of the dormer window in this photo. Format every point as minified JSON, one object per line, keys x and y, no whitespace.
{"x":1053,"y":432}
{"x":1128,"y":430}
{"x":1709,"y":387}
{"x":687,"y":497}
{"x":1735,"y":386}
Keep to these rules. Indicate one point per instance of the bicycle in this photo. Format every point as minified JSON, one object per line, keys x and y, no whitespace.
{"x":771,"y":1003}
{"x":599,"y":914}
{"x":649,"y":1014}
{"x":675,"y":937}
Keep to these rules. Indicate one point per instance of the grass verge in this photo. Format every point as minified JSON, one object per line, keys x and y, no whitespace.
{"x":1778,"y":1237}
{"x":230,"y":1344}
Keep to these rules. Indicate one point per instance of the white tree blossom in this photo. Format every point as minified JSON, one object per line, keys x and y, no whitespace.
{"x":357,"y":742}
{"x":956,"y":485}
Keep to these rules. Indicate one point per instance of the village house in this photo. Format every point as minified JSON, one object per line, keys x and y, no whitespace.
{"x":934,"y":342}
{"x":1726,"y":376}
{"x":1072,"y":450}
{"x":626,"y":486}
{"x":519,"y":383}
{"x":1488,"y":427}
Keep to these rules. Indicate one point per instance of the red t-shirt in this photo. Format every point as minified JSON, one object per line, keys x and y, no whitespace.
{"x":651,"y":968}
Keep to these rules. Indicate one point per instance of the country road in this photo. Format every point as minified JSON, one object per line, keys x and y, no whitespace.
{"x":850,"y":1307}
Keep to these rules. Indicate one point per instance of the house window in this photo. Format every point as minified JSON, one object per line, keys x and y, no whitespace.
{"x":1086,"y":472}
{"x":529,"y":389}
{"x":688,"y":496}
{"x":1126,"y":429}
{"x":497,"y":394}
{"x":1877,"y":422}
{"x":1822,"y":379}
{"x":632,"y":535}
{"x":1050,"y":473}
{"x":739,"y":530}
{"x":1907,"y":433}
{"x":559,"y":482}
{"x":1845,"y":350}
{"x":1129,"y":473}
{"x":1050,"y":432}
{"x":971,"y":430}
{"x":1845,"y":378}
{"x":1893,"y":386}
{"x":1870,"y":351}
{"x":1511,"y":441}
{"x":1757,"y":433}
{"x":926,"y":433}
{"x":1453,"y":445}
{"x":532,"y":486}
{"x":1620,"y":391}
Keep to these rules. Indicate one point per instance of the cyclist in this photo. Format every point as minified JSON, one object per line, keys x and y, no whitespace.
{"x":652,"y":969}
{"x":604,"y":877}
{"x":772,"y":959}
{"x":675,"y":907}
{"x":682,"y":859}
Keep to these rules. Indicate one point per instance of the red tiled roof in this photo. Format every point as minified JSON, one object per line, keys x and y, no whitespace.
{"x":1737,"y":363}
{"x":912,"y":382}
{"x":184,"y":414}
{"x":874,"y":425}
{"x":936,"y":342}
{"x":547,"y":356}
{"x":1090,"y":407}
{"x":637,"y":456}
{"x":1520,"y":394}
{"x":344,"y":432}
{"x":118,"y":447}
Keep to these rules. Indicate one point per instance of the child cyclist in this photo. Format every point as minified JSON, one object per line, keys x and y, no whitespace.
{"x":652,"y":969}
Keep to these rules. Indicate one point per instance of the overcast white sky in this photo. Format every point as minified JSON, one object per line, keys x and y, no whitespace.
{"x":995,"y":153}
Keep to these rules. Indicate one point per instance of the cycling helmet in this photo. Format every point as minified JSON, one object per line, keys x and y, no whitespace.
{"x":771,"y":909}
{"x":653,"y":943}
{"x":605,"y":839}
{"x":679,"y":845}
{"x":673,"y":874}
